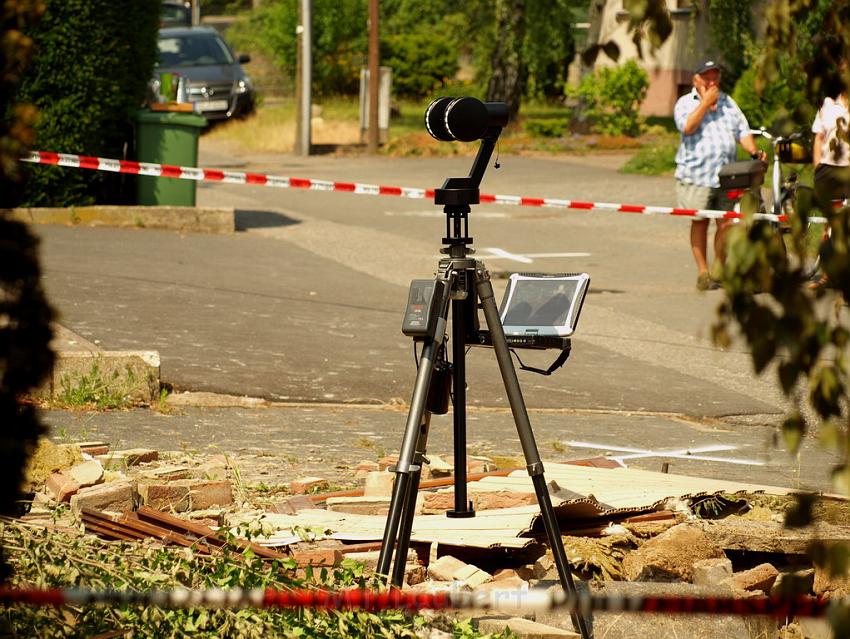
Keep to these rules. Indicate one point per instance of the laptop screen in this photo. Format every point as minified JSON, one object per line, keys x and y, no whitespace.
{"x":543,"y":304}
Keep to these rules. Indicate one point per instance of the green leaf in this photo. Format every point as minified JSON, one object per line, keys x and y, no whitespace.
{"x":800,"y":512}
{"x":793,"y":429}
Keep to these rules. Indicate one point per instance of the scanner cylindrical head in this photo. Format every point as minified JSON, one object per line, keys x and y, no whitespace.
{"x":466,"y":119}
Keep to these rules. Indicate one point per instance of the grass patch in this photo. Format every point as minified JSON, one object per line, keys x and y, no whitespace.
{"x":542,"y":128}
{"x":658,"y":157}
{"x":96,"y":389}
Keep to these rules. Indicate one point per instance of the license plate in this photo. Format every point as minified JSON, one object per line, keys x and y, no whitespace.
{"x":212,"y":105}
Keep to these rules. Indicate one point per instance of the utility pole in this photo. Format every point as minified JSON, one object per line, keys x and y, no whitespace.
{"x":374,"y":75}
{"x":303,"y":79}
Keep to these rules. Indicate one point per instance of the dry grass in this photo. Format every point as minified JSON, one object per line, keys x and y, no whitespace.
{"x":272,"y":130}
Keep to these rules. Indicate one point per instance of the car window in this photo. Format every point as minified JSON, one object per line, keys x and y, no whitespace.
{"x":175,"y":14}
{"x":193,"y":51}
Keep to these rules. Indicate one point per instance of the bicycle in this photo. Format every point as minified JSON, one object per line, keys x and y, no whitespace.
{"x":787,"y":196}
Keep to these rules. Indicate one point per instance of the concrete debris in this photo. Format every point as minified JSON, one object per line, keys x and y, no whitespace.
{"x":671,"y":555}
{"x":711,"y":572}
{"x":182,"y":499}
{"x":379,"y":483}
{"x":523,"y":628}
{"x":117,"y":497}
{"x":762,"y":577}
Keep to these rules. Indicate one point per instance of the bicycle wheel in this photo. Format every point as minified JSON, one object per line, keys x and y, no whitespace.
{"x":794,"y":201}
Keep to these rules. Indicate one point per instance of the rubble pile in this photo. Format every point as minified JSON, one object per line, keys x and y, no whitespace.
{"x":670,"y":545}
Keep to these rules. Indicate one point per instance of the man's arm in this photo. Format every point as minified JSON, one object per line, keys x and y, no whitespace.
{"x":708,"y":100}
{"x":817,"y":149}
{"x":749,"y":144}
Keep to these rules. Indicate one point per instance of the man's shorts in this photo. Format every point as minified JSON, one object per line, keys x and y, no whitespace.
{"x":694,"y":196}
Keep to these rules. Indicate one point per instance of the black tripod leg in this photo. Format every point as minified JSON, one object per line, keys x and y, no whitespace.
{"x":412,"y":434}
{"x":409,"y":509}
{"x":526,"y":438}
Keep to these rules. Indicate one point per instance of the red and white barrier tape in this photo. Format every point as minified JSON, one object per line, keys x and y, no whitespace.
{"x":238,"y":177}
{"x":510,"y":601}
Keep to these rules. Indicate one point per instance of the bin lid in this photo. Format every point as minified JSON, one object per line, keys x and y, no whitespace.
{"x":145,"y":116}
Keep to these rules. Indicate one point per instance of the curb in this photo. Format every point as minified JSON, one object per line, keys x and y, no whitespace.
{"x":83,"y":371}
{"x":175,"y":218}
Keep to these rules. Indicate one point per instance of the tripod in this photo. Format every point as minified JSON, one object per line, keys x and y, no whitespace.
{"x":461,"y":281}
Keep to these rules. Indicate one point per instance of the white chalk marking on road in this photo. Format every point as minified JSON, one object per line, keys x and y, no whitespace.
{"x":497,"y":252}
{"x":524,"y":258}
{"x":682,"y":453}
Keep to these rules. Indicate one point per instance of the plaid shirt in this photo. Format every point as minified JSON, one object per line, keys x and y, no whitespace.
{"x":702,"y":153}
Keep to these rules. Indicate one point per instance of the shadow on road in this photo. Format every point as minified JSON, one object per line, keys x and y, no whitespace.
{"x":245,"y":220}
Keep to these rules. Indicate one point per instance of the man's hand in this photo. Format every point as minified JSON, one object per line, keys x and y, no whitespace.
{"x":710,"y":96}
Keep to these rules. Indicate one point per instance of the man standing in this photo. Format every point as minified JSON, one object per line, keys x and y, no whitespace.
{"x":711,"y":125}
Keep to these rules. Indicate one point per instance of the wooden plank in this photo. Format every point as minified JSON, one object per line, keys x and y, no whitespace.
{"x":202,"y":532}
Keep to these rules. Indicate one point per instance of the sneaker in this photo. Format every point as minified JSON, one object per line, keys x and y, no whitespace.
{"x":706,"y":283}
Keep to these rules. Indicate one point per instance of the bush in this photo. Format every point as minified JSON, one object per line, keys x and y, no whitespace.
{"x":421,"y":62}
{"x":93,"y":61}
{"x":610,"y":98}
{"x":777,"y":100}
{"x":545,"y":128}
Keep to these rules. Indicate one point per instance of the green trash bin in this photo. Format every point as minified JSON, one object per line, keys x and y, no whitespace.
{"x":167,"y":137}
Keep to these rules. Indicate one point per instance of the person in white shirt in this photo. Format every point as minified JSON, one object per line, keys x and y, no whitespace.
{"x":831,"y":152}
{"x":831,"y":159}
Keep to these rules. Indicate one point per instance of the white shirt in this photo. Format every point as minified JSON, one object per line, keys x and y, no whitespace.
{"x":832,"y":115}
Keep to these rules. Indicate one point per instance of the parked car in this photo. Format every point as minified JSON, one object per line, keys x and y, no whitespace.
{"x":216,"y":82}
{"x":174,"y":13}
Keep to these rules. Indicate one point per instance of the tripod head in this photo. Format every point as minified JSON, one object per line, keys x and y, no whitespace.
{"x":465,"y":119}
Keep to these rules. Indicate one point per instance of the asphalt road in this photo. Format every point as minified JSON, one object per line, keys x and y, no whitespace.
{"x":304,"y":304}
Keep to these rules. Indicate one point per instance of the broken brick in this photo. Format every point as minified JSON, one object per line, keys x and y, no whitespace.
{"x":307,"y":485}
{"x":318,"y":557}
{"x":759,"y":578}
{"x":378,"y":484}
{"x":62,"y":486}
{"x":186,"y":494}
{"x":116,"y":496}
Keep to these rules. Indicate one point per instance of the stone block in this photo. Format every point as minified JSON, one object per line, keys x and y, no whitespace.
{"x":62,"y":486}
{"x":186,"y":494}
{"x":379,"y":484}
{"x":119,"y":496}
{"x":94,"y":448}
{"x":306,"y":485}
{"x":168,"y":496}
{"x":711,"y":572}
{"x":166,"y":473}
{"x":472,"y":576}
{"x":136,"y":456}
{"x":359,"y":505}
{"x":445,"y":567}
{"x":510,"y":583}
{"x":522,"y":628}
{"x":130,"y":374}
{"x":177,"y":218}
{"x":671,"y":555}
{"x":762,"y":577}
{"x":87,"y":474}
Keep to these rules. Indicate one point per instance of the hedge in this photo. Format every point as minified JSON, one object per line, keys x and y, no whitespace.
{"x":93,"y":61}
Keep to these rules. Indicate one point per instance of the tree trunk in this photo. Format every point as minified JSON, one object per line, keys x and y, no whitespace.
{"x":510,"y":73}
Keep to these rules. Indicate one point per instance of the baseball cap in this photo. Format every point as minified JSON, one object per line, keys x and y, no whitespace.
{"x":708,"y":65}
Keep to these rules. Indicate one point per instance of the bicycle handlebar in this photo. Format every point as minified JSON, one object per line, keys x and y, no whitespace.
{"x":776,"y":138}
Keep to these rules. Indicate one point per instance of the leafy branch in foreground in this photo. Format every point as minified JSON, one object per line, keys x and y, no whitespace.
{"x":46,"y":558}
